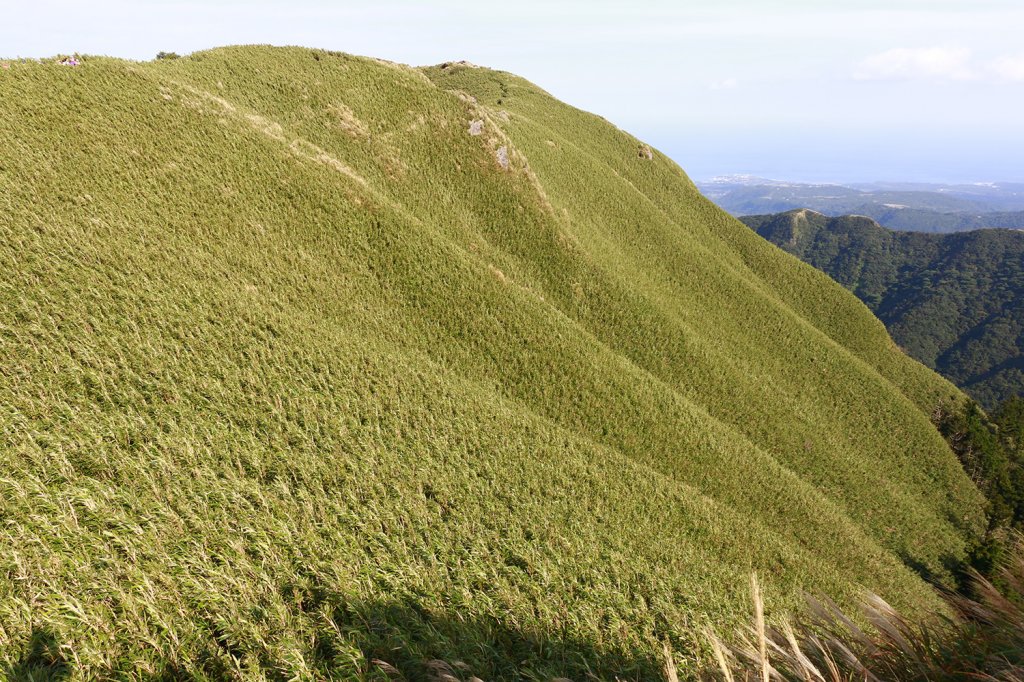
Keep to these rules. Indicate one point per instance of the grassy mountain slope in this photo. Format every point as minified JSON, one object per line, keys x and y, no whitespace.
{"x":955,"y":302}
{"x":300,"y":372}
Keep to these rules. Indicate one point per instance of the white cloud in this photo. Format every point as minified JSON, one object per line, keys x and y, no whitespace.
{"x":940,"y":63}
{"x":727,"y":84}
{"x":1008,"y":67}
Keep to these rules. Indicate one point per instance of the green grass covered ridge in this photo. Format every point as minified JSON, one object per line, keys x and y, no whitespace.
{"x":297,"y":372}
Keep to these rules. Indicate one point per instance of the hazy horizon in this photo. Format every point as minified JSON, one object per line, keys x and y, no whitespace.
{"x":906,"y":90}
{"x":817,"y":158}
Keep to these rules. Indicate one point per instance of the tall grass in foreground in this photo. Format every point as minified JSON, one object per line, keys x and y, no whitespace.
{"x":983,"y":640}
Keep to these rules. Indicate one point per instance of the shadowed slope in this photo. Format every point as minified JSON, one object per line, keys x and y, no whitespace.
{"x":955,"y":302}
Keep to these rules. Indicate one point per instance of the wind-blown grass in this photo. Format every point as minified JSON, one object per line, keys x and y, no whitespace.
{"x":981,"y":639}
{"x":295,"y":375}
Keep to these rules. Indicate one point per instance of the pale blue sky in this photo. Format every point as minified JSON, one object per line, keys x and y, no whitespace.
{"x":801,"y":89}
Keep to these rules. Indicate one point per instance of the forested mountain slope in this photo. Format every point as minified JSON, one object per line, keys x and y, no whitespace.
{"x":955,"y":302}
{"x":308,"y":360}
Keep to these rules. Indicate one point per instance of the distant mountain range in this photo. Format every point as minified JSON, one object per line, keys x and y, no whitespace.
{"x":899,"y":206}
{"x":955,"y":301}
